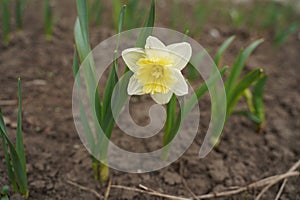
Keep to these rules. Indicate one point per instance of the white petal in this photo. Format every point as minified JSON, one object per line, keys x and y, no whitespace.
{"x":180,"y":87}
{"x":182,"y":53}
{"x":154,"y":43}
{"x":162,"y":98}
{"x":131,"y":56}
{"x":134,"y":87}
{"x":158,"y":53}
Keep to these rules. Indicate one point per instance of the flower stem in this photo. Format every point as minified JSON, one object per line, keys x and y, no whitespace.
{"x":95,"y":166}
{"x":104,"y":172}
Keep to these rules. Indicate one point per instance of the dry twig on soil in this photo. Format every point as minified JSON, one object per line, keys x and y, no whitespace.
{"x":266,"y":182}
{"x":293,"y":168}
{"x":107,"y":190}
{"x":85,"y":189}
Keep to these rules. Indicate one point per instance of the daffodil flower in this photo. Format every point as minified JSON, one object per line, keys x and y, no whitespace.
{"x":157,"y":69}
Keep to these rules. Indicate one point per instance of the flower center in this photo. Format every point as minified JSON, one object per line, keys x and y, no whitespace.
{"x":157,"y":71}
{"x":154,"y":76}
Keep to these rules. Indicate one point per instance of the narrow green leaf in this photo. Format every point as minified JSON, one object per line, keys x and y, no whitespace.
{"x":6,"y":155}
{"x":199,"y":92}
{"x":5,"y":198}
{"x":246,"y":82}
{"x":239,"y":65}
{"x":75,"y":63}
{"x":48,"y":21}
{"x":81,"y":34}
{"x":258,"y":103}
{"x":121,"y":22}
{"x":83,"y":49}
{"x":82,"y":45}
{"x":97,"y":11}
{"x":112,"y":78}
{"x":17,"y":166}
{"x":83,"y":19}
{"x":134,"y":19}
{"x":19,"y":170}
{"x":222,"y":49}
{"x":249,"y":99}
{"x":193,"y":73}
{"x":171,"y":119}
{"x":19,"y":13}
{"x":282,"y":35}
{"x":148,"y":26}
{"x":249,"y":115}
{"x":116,"y":4}
{"x":5,"y":4}
{"x":19,"y":137}
{"x":83,"y":117}
{"x":5,"y":190}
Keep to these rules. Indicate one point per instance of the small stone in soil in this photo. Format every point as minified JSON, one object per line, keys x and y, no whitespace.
{"x":218,"y":170}
{"x":38,"y":184}
{"x":171,"y":178}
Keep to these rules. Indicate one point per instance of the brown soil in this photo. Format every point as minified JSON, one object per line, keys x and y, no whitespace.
{"x":55,"y":153}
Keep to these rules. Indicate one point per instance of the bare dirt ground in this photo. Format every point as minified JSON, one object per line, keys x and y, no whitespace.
{"x":55,"y":153}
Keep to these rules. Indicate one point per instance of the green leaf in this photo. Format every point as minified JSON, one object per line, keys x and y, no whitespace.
{"x":148,"y":26}
{"x":97,"y":11}
{"x":171,"y":119}
{"x":239,"y":65}
{"x":5,"y":198}
{"x":16,"y":164}
{"x":83,"y":49}
{"x":5,"y":5}
{"x":121,"y":22}
{"x":246,"y":82}
{"x":82,"y":44}
{"x":83,"y":116}
{"x":19,"y":137}
{"x":6,"y":154}
{"x":19,"y":170}
{"x":249,"y":99}
{"x":134,"y":19}
{"x":83,"y":19}
{"x":112,"y":81}
{"x":249,"y":115}
{"x":222,"y":49}
{"x":48,"y":21}
{"x":193,"y":73}
{"x":116,"y":11}
{"x":199,"y":92}
{"x":20,"y":4}
{"x":5,"y":189}
{"x":75,"y":63}
{"x":282,"y":35}
{"x":258,"y":103}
